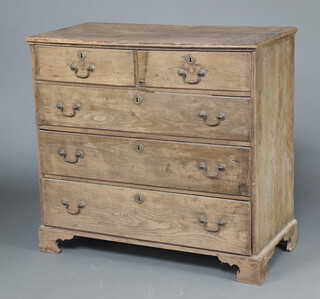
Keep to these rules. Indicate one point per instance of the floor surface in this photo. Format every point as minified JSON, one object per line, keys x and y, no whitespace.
{"x":98,"y":269}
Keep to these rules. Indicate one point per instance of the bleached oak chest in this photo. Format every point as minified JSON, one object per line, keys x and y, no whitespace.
{"x":177,"y":137}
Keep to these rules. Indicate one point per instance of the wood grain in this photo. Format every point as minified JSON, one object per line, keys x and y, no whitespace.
{"x":158,"y":113}
{"x":112,"y":67}
{"x":224,"y":70}
{"x":167,"y":164}
{"x":142,"y":58}
{"x":32,"y":54}
{"x":273,"y":145}
{"x":227,"y":93}
{"x":145,"y":136}
{"x":144,"y":187}
{"x":161,"y":217}
{"x":173,"y":36}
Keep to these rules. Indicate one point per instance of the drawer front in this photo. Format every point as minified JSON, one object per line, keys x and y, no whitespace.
{"x":199,"y":70}
{"x":148,"y":215}
{"x":85,"y":65}
{"x":143,"y":112}
{"x":207,"y":168}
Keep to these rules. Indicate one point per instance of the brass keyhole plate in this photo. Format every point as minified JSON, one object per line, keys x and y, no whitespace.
{"x":138,"y":147}
{"x":139,"y":198}
{"x":137,"y":99}
{"x":81,"y":55}
{"x":190,"y":59}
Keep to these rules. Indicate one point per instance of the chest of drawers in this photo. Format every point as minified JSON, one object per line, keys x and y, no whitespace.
{"x":177,"y":137}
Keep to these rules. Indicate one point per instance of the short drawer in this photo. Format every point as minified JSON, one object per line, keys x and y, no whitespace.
{"x":143,"y":112}
{"x":207,"y":168}
{"x":193,"y":221}
{"x":198,"y":70}
{"x":85,"y":65}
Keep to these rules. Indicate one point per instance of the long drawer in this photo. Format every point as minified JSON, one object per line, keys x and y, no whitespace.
{"x":85,"y":65}
{"x":208,"y":168}
{"x":193,"y":221}
{"x":145,"y":112}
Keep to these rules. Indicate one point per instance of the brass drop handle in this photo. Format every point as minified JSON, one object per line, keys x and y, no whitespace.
{"x":75,"y":107}
{"x":220,"y":117}
{"x":204,"y":222}
{"x":78,"y":154}
{"x":203,"y":166}
{"x":90,"y":69}
{"x":182,"y":73}
{"x":80,"y":206}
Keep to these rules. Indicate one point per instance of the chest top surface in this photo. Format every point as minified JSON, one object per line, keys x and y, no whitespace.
{"x":139,"y":35}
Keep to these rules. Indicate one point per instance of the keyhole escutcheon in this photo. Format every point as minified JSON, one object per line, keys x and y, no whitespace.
{"x":190,"y":59}
{"x":137,"y":99}
{"x":138,"y":147}
{"x":81,"y":55}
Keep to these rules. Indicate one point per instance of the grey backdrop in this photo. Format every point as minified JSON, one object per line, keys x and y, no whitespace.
{"x":19,"y":210}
